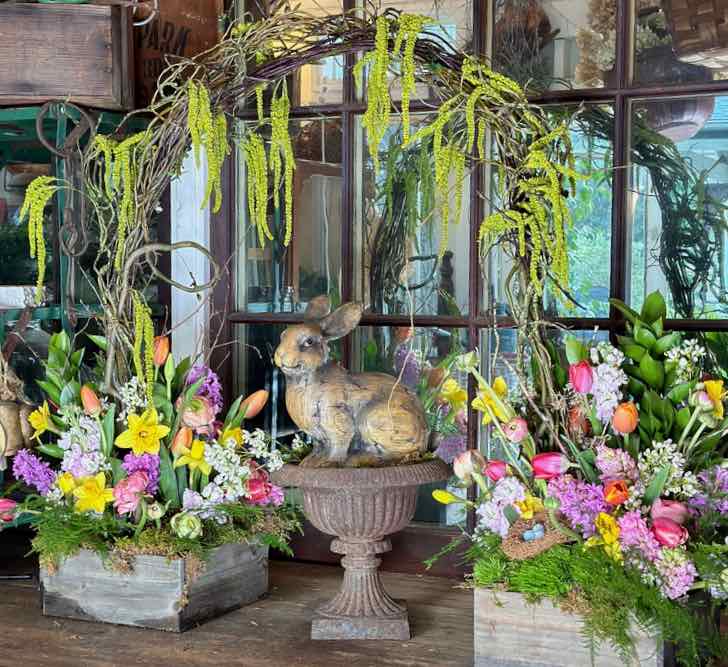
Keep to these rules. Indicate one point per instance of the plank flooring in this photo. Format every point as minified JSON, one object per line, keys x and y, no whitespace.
{"x":272,"y":632}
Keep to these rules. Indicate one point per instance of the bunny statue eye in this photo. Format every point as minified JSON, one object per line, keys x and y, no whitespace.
{"x":308,"y":342}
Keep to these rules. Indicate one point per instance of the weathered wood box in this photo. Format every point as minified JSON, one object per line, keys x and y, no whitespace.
{"x":509,"y":632}
{"x":158,"y":593}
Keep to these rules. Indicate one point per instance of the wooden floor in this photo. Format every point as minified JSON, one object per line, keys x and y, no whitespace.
{"x":272,"y":632}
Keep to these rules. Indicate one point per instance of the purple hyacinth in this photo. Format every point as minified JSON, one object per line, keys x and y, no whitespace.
{"x":211,"y":389}
{"x":407,"y":364}
{"x":714,"y":493}
{"x":450,"y":446}
{"x":580,"y":502}
{"x":148,"y":463}
{"x":33,"y":471}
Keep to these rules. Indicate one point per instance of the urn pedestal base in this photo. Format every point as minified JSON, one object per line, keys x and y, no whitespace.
{"x":353,"y":627}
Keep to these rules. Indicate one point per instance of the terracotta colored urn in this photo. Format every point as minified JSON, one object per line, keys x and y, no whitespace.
{"x":361,"y":507}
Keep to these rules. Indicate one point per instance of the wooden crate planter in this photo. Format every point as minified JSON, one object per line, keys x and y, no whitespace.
{"x":80,"y":52}
{"x":509,"y":632}
{"x":158,"y":593}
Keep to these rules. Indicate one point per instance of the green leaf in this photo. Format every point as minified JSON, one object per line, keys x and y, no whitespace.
{"x":51,"y":390}
{"x":182,"y":483}
{"x":634,"y":352}
{"x":659,"y":327}
{"x":636,"y":387}
{"x":179,"y":375}
{"x":576,"y":351}
{"x":652,"y":372}
{"x":679,"y":393}
{"x":653,"y":308}
{"x":167,"y":478}
{"x":107,"y":430}
{"x":644,"y":337}
{"x":71,"y":393}
{"x":99,"y":341}
{"x":169,"y":369}
{"x":232,"y":412}
{"x":77,"y":358}
{"x":658,"y":482}
{"x":667,"y":342}
{"x":682,"y":418}
{"x":54,"y":451}
{"x":61,"y":341}
{"x":511,"y":514}
{"x":631,"y":315}
{"x":117,"y":472}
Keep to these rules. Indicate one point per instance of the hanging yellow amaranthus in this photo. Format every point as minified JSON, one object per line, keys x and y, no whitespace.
{"x":281,"y":155}
{"x":107,"y":145}
{"x":143,"y":340}
{"x":410,"y":25}
{"x":37,"y":196}
{"x":256,"y":167}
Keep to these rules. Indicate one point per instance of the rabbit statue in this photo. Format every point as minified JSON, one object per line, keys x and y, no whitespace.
{"x":354,"y":419}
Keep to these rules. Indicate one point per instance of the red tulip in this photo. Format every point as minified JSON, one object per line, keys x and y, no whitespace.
{"x":616,"y":492}
{"x":90,"y":401}
{"x":495,"y":469}
{"x":7,"y":509}
{"x":669,"y":509}
{"x":161,"y":350}
{"x":549,"y":464}
{"x":625,"y":418}
{"x":668,"y":533}
{"x":581,"y":377}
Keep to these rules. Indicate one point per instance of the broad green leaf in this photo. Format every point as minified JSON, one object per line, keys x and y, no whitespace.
{"x":167,"y":478}
{"x":77,"y":358}
{"x":680,"y":393}
{"x":179,"y":375}
{"x":652,"y":372}
{"x":232,"y":412}
{"x":644,"y":337}
{"x":634,"y":351}
{"x":654,"y":490}
{"x":51,"y":390}
{"x":636,"y":387}
{"x":659,"y":327}
{"x":117,"y":472}
{"x":182,"y":483}
{"x":99,"y":341}
{"x":54,"y":451}
{"x":653,"y":308}
{"x":631,"y":315}
{"x":70,"y":393}
{"x":667,"y":342}
{"x":683,"y":418}
{"x":576,"y":351}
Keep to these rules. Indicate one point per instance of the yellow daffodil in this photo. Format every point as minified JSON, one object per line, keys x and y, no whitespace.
{"x":40,"y":420}
{"x":67,"y":483}
{"x":445,"y":497}
{"x":234,"y":434}
{"x":194,"y":458}
{"x":490,"y":400}
{"x":92,"y":495}
{"x":143,"y":434}
{"x":453,"y":394}
{"x":716,"y":393}
{"x":607,"y":527}
{"x":529,"y":506}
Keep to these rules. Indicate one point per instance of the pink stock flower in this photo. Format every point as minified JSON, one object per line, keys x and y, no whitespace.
{"x":670,"y":509}
{"x":668,"y":533}
{"x":199,"y":415}
{"x":549,"y":465}
{"x":7,"y":509}
{"x":496,"y":470}
{"x":516,"y":429}
{"x":466,"y":463}
{"x":128,"y":492}
{"x":581,"y":377}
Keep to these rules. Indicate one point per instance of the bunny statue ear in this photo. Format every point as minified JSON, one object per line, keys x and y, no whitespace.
{"x":343,"y":320}
{"x":318,"y":308}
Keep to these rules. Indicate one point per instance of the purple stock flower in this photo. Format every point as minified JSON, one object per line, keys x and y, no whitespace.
{"x":148,"y":463}
{"x":676,"y":571}
{"x":714,"y":493}
{"x":407,"y":364}
{"x":211,"y":389}
{"x":634,"y":533}
{"x":580,"y":502}
{"x":615,"y":464}
{"x":449,"y":446}
{"x":33,"y":471}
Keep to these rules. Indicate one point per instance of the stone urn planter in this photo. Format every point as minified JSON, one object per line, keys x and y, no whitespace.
{"x":361,"y":507}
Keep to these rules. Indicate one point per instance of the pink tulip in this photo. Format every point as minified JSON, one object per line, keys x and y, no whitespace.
{"x":549,"y":464}
{"x":496,"y":470}
{"x":7,"y":509}
{"x":468,"y":462}
{"x":670,"y":509}
{"x":516,"y":429}
{"x":128,"y":492}
{"x":199,"y":415}
{"x":581,"y":377}
{"x":668,"y":533}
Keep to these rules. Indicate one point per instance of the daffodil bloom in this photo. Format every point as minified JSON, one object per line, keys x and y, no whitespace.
{"x":445,"y":497}
{"x":529,"y":506}
{"x":40,"y":420}
{"x":67,"y":483}
{"x":234,"y":434}
{"x":716,"y":393}
{"x":143,"y":434}
{"x":607,"y":527}
{"x":490,"y":400}
{"x":453,"y":394}
{"x":194,"y":458}
{"x":92,"y":495}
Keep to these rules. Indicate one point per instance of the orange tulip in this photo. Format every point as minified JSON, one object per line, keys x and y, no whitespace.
{"x":90,"y":401}
{"x":616,"y":492}
{"x":254,"y":403}
{"x":625,"y":418}
{"x":182,"y":441}
{"x":161,"y":350}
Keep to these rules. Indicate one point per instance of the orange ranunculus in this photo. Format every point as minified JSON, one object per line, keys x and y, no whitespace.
{"x":161,"y":350}
{"x":625,"y":418}
{"x":90,"y":401}
{"x":616,"y":492}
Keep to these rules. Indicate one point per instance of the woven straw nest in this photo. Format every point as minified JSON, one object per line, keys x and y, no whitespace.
{"x":516,"y":548}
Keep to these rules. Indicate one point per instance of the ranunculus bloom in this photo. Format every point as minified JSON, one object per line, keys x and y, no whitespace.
{"x":467,"y":463}
{"x":625,"y":418}
{"x":581,"y":377}
{"x":516,"y":429}
{"x":669,"y":509}
{"x":182,"y":441}
{"x":578,"y":423}
{"x":257,"y":486}
{"x":616,"y":492}
{"x":161,"y":350}
{"x":187,"y":526}
{"x":254,"y":403}
{"x":7,"y":509}
{"x":128,"y":492}
{"x":90,"y":401}
{"x":495,"y":469}
{"x":199,"y":415}
{"x":668,"y":533}
{"x":549,"y":464}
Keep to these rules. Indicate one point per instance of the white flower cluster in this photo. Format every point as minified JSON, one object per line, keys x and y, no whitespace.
{"x":299,"y":444}
{"x":688,"y":360}
{"x":606,"y":353}
{"x":132,"y":399}
{"x":680,"y":483}
{"x":260,"y":447}
{"x":231,"y":471}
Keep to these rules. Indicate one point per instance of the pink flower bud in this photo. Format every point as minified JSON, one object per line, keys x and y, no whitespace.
{"x":496,"y":470}
{"x":549,"y":464}
{"x":669,"y":509}
{"x":516,"y":429}
{"x":7,"y":509}
{"x":468,"y":462}
{"x":668,"y":533}
{"x":581,"y":377}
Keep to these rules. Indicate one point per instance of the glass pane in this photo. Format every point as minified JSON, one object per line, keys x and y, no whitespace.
{"x":273,"y":277}
{"x":677,"y":204}
{"x":411,"y":355}
{"x":555,"y":44}
{"x":398,"y":231}
{"x":679,"y":42}
{"x":590,"y":236}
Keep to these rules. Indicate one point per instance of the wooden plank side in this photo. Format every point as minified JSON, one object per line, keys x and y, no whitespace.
{"x":509,"y":632}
